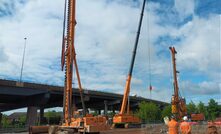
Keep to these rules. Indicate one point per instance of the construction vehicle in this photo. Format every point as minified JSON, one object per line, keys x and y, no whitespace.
{"x":73,"y":120}
{"x":125,"y":118}
{"x":197,"y":117}
{"x":178,"y":103}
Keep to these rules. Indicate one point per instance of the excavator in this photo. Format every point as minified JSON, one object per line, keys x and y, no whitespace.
{"x":178,"y":103}
{"x":125,"y":118}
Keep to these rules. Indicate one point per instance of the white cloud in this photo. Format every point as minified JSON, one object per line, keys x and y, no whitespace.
{"x":200,"y":48}
{"x":105,"y":35}
{"x":184,"y":7}
{"x":3,"y":56}
{"x":201,"y":88}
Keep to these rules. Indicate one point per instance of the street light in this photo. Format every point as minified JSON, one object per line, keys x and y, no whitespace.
{"x":23,"y":58}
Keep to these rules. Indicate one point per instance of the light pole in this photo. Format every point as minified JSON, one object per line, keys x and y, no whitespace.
{"x":23,"y":59}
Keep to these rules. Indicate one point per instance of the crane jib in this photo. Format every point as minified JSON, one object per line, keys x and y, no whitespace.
{"x":129,"y":77}
{"x":137,"y":39}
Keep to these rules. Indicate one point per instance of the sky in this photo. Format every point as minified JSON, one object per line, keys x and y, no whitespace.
{"x":105,"y":36}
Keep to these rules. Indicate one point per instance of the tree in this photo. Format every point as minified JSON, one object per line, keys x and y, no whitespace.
{"x":5,"y":121}
{"x":52,"y":117}
{"x":213,"y":109}
{"x":148,"y":112}
{"x":202,"y":109}
{"x":167,"y":111}
{"x":191,"y":108}
{"x":22,"y":120}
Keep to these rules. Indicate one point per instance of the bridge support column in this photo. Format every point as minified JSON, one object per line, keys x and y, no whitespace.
{"x":112,"y":109}
{"x":31,"y":116}
{"x":41,"y":121}
{"x":99,"y":112}
{"x":0,"y":120}
{"x":105,"y":107}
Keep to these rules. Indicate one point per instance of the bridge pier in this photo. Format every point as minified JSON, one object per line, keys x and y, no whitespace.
{"x":99,"y":112}
{"x":105,"y":107}
{"x":112,"y":109}
{"x":41,"y":121}
{"x":0,"y":120}
{"x":31,"y":116}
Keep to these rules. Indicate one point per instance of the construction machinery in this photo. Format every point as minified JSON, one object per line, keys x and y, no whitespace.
{"x":197,"y":117}
{"x":73,"y":120}
{"x":178,"y":103}
{"x":125,"y":118}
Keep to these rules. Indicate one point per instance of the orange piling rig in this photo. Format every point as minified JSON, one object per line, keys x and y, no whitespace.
{"x":73,"y":120}
{"x":69,"y":58}
{"x":178,"y":103}
{"x":124,"y":117}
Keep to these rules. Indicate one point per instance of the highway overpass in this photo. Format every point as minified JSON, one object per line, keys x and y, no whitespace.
{"x":14,"y":95}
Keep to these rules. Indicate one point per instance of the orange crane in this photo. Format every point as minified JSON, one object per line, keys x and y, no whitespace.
{"x":124,"y":117}
{"x":75,"y":120}
{"x":178,"y":103}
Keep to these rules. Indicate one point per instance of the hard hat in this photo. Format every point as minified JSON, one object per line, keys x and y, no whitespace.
{"x":185,"y":118}
{"x":166,"y":120}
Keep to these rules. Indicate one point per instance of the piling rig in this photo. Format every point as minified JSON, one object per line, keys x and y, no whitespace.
{"x":74,"y":120}
{"x":178,"y":103}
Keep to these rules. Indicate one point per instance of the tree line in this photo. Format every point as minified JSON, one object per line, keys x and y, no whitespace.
{"x":147,"y":111}
{"x":150,"y":112}
{"x":50,"y":117}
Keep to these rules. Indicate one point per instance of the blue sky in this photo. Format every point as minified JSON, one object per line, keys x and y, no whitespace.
{"x":105,"y":35}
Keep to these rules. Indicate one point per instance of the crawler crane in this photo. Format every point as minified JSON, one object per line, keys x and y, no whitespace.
{"x":178,"y":103}
{"x":124,"y":118}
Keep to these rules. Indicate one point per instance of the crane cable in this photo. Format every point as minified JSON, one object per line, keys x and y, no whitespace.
{"x":149,"y":56}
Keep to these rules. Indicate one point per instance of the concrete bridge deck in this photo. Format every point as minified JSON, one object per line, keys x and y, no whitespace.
{"x":14,"y":95}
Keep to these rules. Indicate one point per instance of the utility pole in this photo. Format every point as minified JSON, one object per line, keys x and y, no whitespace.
{"x":23,"y":59}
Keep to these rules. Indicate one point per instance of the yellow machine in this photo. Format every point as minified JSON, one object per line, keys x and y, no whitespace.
{"x":124,"y":117}
{"x":178,"y":103}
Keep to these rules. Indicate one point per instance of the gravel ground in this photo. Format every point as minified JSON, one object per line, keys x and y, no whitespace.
{"x":150,"y":129}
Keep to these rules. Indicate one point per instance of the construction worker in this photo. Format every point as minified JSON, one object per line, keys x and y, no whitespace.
{"x":185,"y":127}
{"x":173,"y":126}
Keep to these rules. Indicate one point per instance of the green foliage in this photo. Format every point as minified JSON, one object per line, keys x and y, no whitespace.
{"x":191,"y":108}
{"x":111,"y":114}
{"x":211,"y":112}
{"x":95,"y":113}
{"x":166,"y":112}
{"x":5,"y":121}
{"x":213,"y":109}
{"x":52,"y":117}
{"x":148,"y":112}
{"x":201,"y":108}
{"x":22,"y":120}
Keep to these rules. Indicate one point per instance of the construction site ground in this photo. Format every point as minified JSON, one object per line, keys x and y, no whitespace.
{"x":158,"y":129}
{"x":151,"y":129}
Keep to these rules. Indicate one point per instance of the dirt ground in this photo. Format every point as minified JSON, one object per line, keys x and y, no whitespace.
{"x":152,"y":129}
{"x":158,"y":129}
